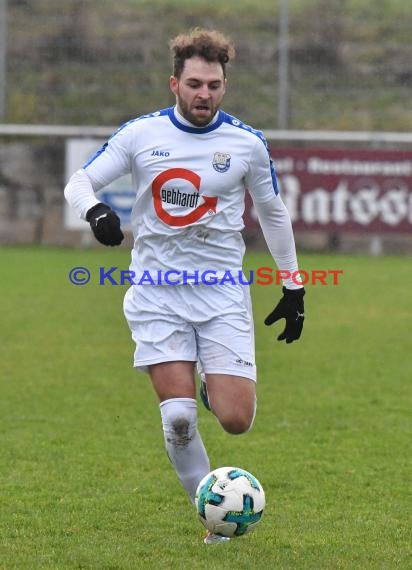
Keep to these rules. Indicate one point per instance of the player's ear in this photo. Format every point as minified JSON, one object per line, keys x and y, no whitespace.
{"x":173,"y":84}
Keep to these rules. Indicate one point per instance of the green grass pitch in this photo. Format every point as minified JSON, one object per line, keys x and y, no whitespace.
{"x":85,"y":482}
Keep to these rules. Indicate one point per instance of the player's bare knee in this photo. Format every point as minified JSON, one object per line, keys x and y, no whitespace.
{"x":237,"y":425}
{"x":238,"y":421}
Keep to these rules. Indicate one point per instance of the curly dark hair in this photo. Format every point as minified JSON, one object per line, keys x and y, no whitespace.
{"x":210,"y":45}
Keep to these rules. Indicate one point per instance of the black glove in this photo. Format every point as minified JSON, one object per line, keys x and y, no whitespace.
{"x":105,"y":224}
{"x":291,"y":308}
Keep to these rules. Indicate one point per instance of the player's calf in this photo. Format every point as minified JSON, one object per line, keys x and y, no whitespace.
{"x":183,"y":443}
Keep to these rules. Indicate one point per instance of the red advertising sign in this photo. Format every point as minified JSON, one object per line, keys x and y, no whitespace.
{"x":345,"y":190}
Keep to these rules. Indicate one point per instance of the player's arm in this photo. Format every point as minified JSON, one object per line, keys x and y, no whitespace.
{"x":104,"y":222}
{"x":109,"y":163}
{"x":277,"y":230}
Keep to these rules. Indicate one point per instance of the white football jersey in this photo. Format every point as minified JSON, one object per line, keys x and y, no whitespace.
{"x":190,"y":185}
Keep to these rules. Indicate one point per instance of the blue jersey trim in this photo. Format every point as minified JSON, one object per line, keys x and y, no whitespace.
{"x":160,"y":113}
{"x":195,"y":130}
{"x":222,"y":118}
{"x":229,"y":119}
{"x":95,"y":155}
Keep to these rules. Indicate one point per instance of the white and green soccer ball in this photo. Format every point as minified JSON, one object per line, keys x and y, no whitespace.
{"x":230,"y":501}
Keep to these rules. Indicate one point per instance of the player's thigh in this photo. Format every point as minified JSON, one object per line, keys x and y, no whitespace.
{"x":226,"y":341}
{"x":232,"y":400}
{"x":161,"y":334}
{"x":173,"y":379}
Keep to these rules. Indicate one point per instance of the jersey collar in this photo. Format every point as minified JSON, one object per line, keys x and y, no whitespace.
{"x":188,"y":128}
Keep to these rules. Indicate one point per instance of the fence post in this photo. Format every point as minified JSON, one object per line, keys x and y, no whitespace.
{"x":3,"y":58}
{"x":283,"y":66}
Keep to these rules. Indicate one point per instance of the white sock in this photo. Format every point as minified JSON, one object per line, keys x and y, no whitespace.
{"x":184,"y":445}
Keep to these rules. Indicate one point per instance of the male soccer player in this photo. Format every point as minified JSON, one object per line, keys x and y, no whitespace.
{"x":191,"y":165}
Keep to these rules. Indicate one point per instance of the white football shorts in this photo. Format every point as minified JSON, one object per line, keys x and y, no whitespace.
{"x":211,"y":325}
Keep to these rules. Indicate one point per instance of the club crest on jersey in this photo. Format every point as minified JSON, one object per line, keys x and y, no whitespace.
{"x":221,"y":161}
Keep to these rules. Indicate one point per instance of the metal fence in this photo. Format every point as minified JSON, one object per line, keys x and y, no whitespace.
{"x":342,"y":64}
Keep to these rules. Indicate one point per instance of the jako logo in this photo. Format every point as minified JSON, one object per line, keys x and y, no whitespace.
{"x":160,"y":153}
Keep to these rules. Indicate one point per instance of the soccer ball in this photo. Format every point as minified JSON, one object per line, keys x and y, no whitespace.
{"x":230,"y":501}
